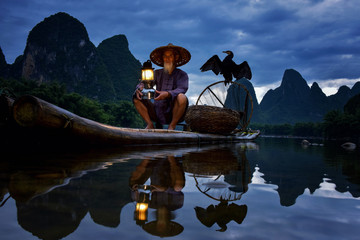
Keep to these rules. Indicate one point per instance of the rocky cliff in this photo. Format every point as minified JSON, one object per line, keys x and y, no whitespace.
{"x":123,"y":68}
{"x":3,"y":65}
{"x":294,"y":101}
{"x":59,"y":49}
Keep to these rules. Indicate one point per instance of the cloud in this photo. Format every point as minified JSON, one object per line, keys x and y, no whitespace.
{"x":318,"y":38}
{"x":197,"y":83}
{"x":331,"y":86}
{"x":261,"y":91}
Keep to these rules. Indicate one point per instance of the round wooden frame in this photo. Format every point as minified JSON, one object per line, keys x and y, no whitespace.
{"x":247,"y":114}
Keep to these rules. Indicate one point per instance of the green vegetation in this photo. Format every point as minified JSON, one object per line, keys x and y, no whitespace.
{"x":120,"y":113}
{"x":342,"y":125}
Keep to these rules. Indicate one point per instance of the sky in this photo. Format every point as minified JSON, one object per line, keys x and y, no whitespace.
{"x":318,"y":38}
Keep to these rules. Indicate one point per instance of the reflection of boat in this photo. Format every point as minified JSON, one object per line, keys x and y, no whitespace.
{"x":39,"y":174}
{"x":34,"y":113}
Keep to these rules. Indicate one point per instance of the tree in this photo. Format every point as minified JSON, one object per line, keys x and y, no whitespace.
{"x":122,"y":113}
{"x":353,"y":105}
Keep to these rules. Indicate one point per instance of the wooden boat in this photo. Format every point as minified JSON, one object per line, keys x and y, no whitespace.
{"x":32,"y":112}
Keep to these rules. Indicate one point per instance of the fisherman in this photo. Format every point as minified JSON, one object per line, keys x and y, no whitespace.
{"x":170,"y":102}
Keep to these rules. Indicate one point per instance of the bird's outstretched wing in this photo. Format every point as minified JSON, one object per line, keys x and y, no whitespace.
{"x":214,"y":64}
{"x":206,"y":216}
{"x":242,"y":70}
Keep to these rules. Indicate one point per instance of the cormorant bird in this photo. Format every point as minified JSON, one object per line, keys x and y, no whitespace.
{"x":228,"y":68}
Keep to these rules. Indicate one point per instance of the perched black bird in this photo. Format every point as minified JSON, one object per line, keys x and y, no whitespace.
{"x":228,"y":68}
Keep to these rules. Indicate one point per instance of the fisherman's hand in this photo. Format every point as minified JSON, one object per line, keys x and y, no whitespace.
{"x":157,"y":188}
{"x":162,"y":95}
{"x":138,"y":91}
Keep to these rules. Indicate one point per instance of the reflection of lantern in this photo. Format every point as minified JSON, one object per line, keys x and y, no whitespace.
{"x":147,"y":78}
{"x":141,"y":211}
{"x":141,"y":208}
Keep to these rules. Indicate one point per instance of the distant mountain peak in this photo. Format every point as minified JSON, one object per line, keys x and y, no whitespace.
{"x":315,"y":88}
{"x":58,"y":28}
{"x":315,"y":85}
{"x":59,"y":49}
{"x":117,"y":39}
{"x":293,"y":79}
{"x":59,"y":41}
{"x":122,"y":66}
{"x":343,"y":90}
{"x":356,"y":87}
{"x":294,"y":101}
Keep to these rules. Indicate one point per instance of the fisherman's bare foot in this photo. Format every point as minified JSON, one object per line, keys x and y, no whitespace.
{"x":171,"y":127}
{"x":150,"y":126}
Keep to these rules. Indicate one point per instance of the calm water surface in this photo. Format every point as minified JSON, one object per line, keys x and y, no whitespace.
{"x":268,"y":189}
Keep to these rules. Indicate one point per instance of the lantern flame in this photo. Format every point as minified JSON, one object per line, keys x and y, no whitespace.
{"x":141,"y":211}
{"x":147,"y":75}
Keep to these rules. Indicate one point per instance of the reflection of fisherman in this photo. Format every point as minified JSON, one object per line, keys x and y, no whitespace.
{"x":167,"y":179}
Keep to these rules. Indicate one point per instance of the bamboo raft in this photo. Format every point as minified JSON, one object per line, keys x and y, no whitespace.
{"x":31,"y":112}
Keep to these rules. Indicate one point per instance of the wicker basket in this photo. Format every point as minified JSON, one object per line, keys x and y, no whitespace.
{"x":210,"y":119}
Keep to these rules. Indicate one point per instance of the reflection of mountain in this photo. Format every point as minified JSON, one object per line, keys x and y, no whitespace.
{"x":53,"y":215}
{"x":59,"y":212}
{"x":293,"y":169}
{"x":108,"y":193}
{"x":53,"y":195}
{"x":346,"y":170}
{"x":53,"y":192}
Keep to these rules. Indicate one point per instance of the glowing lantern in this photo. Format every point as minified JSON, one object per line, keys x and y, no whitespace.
{"x":147,"y":78}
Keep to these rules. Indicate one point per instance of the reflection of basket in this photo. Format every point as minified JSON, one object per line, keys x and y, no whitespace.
{"x":212,"y":162}
{"x":210,"y":119}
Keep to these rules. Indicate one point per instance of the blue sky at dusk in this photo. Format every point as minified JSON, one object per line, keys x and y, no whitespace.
{"x":318,"y":38}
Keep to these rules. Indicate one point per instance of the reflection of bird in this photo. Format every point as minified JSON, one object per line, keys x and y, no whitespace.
{"x":228,"y":68}
{"x":221,"y":214}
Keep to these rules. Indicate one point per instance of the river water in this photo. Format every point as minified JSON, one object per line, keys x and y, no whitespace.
{"x":272,"y":188}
